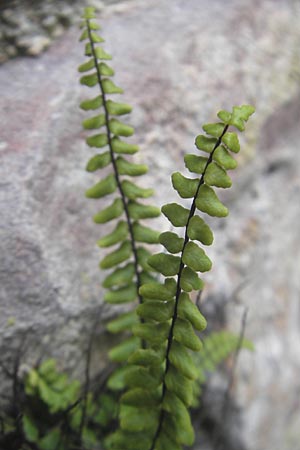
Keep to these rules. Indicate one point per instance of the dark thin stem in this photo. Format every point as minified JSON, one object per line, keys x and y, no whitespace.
{"x":178,"y":289}
{"x":87,"y":377}
{"x":113,"y":160}
{"x":198,"y":299}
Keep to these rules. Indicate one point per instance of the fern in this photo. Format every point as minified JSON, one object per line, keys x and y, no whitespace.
{"x":52,"y":411}
{"x":156,"y":410}
{"x":161,"y":375}
{"x":128,"y":260}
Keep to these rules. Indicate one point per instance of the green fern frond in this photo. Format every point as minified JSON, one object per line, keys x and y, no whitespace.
{"x":169,"y":317}
{"x":127,"y":261}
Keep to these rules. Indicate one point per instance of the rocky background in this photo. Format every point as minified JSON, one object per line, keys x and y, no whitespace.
{"x":179,"y":62}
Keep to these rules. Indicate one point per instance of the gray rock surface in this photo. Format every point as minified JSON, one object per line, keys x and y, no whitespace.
{"x":28,"y":27}
{"x":179,"y":62}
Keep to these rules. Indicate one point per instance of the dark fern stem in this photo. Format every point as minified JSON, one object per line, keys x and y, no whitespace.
{"x":128,"y":261}
{"x":113,"y":160}
{"x":178,"y":288}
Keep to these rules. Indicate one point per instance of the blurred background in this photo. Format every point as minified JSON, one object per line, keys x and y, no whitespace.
{"x":179,"y":62}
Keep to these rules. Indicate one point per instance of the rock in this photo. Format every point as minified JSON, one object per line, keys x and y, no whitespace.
{"x":49,"y":22}
{"x":39,"y":21}
{"x":178,"y":64}
{"x":34,"y":45}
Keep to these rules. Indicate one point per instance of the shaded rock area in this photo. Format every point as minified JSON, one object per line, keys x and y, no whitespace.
{"x":179,"y":62}
{"x":28,"y":27}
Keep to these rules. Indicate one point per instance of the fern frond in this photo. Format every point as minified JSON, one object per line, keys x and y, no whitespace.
{"x":127,"y":260}
{"x":170,"y":318}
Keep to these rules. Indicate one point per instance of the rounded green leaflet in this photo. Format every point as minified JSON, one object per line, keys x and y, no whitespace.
{"x":98,"y":162}
{"x":118,"y":109}
{"x":98,"y":140}
{"x":200,"y":231}
{"x":180,"y":417}
{"x":119,"y":277}
{"x":194,"y":163}
{"x":143,"y":255}
{"x":208,"y":202}
{"x":195,"y":258}
{"x":116,"y":257}
{"x":140,"y":397}
{"x":155,"y":333}
{"x":189,"y":280}
{"x":89,"y":80}
{"x":182,"y":360}
{"x":217,"y":176}
{"x":138,"y":419}
{"x":124,"y":294}
{"x":205,"y":143}
{"x":105,"y":187}
{"x":94,"y":26}
{"x":138,"y":211}
{"x":186,"y":187}
{"x":171,"y":241}
{"x":126,"y":168}
{"x":168,"y":265}
{"x":145,"y":234}
{"x":177,"y":214}
{"x":84,"y":35}
{"x":109,"y":87}
{"x":116,"y":381}
{"x":117,"y":235}
{"x":160,"y":311}
{"x":111,"y":212}
{"x":121,"y":352}
{"x":214,"y":129}
{"x":147,"y":277}
{"x":188,"y":310}
{"x":241,"y":114}
{"x":140,"y":376}
{"x":132,"y":191}
{"x":106,"y":70}
{"x":166,"y":442}
{"x":89,"y":13}
{"x":120,"y":129}
{"x":100,"y":53}
{"x":96,"y":38}
{"x":232,"y":141}
{"x":128,"y":441}
{"x":223,"y":157}
{"x":92,"y":104}
{"x":158,"y":290}
{"x":122,"y":323}
{"x":181,"y":386}
{"x":245,"y":111}
{"x":85,"y":67}
{"x":120,"y":146}
{"x":225,"y":116}
{"x":184,"y":333}
{"x":95,"y":122}
{"x":145,"y":357}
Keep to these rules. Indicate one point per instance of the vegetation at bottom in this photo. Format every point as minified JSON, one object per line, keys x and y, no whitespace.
{"x":163,"y":357}
{"x":57,"y":413}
